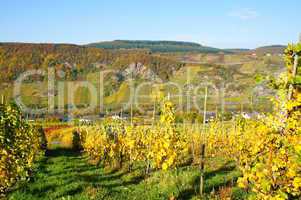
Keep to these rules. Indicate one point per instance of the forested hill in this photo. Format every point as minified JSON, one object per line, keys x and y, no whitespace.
{"x":272,"y":49}
{"x":75,"y":60}
{"x":156,"y":46}
{"x":16,"y":58}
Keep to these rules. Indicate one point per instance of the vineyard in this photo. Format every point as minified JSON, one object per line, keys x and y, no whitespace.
{"x":21,"y":145}
{"x":265,"y":152}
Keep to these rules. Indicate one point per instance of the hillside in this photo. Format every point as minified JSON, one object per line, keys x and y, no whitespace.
{"x":84,"y":63}
{"x":272,"y":49}
{"x":237,"y":50}
{"x":75,"y":60}
{"x":155,"y":46}
{"x":180,"y":47}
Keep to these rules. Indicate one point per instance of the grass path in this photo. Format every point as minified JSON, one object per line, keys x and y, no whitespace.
{"x":65,"y":174}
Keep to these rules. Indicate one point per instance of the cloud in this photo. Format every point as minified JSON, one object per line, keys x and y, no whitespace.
{"x":244,"y":14}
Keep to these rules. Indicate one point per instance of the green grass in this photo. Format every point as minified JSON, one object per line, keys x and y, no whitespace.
{"x":65,"y":174}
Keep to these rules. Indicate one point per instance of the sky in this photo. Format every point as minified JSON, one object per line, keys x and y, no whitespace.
{"x":217,"y":23}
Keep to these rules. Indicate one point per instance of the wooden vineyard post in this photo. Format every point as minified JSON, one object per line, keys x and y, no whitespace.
{"x":294,"y":73}
{"x":222,"y":107}
{"x":202,"y":163}
{"x":132,"y":98}
{"x":2,"y":99}
{"x":202,"y":168}
{"x":131,"y":113}
{"x":291,"y":87}
{"x":205,"y":108}
{"x":154,"y":112}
